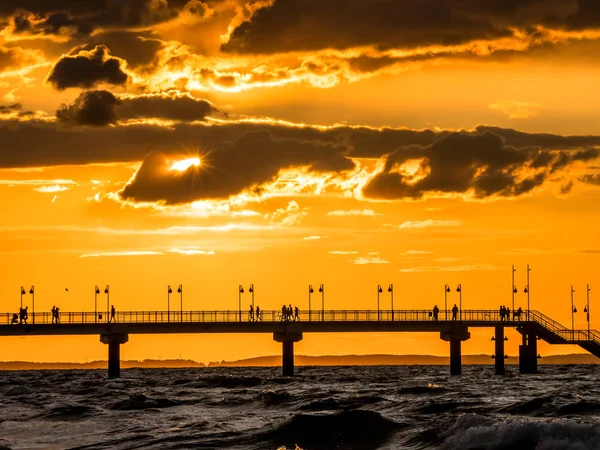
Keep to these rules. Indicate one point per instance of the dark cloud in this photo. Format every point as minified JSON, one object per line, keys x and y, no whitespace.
{"x":231,"y":167}
{"x":82,"y":18}
{"x":590,"y":178}
{"x":87,"y":69}
{"x":12,"y":58}
{"x":290,"y":25}
{"x":100,"y":108}
{"x":461,"y":163}
{"x":137,"y":48}
{"x":10,"y":108}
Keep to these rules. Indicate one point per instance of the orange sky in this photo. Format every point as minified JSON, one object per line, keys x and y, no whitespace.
{"x":440,"y":150}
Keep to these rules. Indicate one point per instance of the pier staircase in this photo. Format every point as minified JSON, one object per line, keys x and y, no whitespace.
{"x":555,"y":333}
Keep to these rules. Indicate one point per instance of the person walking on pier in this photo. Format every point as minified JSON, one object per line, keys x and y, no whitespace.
{"x":436,"y":311}
{"x":290,"y":312}
{"x":53,"y":313}
{"x":284,"y":313}
{"x":257,"y":313}
{"x":501,"y":313}
{"x":454,"y":311}
{"x":507,"y":313}
{"x":296,"y":314}
{"x":112,"y":314}
{"x":57,"y":315}
{"x":519,"y":312}
{"x":251,"y":314}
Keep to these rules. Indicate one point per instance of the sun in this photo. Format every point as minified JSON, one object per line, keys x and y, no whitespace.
{"x":185,"y":164}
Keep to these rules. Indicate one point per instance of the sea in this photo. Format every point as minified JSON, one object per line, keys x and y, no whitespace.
{"x":376,"y":407}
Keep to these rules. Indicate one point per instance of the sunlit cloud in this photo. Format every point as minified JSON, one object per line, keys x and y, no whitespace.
{"x":416,"y":252}
{"x":53,"y":188}
{"x":314,"y":238}
{"x":121,"y":253}
{"x":185,"y":164}
{"x":361,"y":260}
{"x":342,"y":252}
{"x":290,"y":215}
{"x":56,"y":182}
{"x":429,"y":223}
{"x":191,"y":251}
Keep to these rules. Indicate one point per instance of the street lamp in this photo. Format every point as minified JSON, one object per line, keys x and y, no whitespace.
{"x":322,"y":291}
{"x":446,"y":291}
{"x":96,"y":292}
{"x":240,"y":292}
{"x":379,"y":291}
{"x":514,"y":289}
{"x":169,"y":292}
{"x":573,"y":311}
{"x":527,"y":289}
{"x":107,"y":292}
{"x":251,"y":290}
{"x":180,"y":292}
{"x":32,"y":292}
{"x":587,"y":307}
{"x":22,"y":294}
{"x":459,"y":290}
{"x":391,"y":291}
{"x":310,"y":291}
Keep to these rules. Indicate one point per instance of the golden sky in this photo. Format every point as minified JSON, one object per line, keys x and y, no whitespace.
{"x":146,"y":143}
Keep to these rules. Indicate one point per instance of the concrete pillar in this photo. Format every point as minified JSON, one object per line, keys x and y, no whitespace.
{"x":287,"y":340}
{"x":499,"y":349}
{"x":455,"y":357}
{"x":455,"y":337}
{"x":528,"y":353}
{"x":114,"y":342}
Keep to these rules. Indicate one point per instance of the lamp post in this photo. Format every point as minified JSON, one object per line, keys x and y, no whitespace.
{"x":22,"y":294}
{"x":587,"y":307}
{"x":240,"y":292}
{"x":32,"y":292}
{"x":527,"y":289}
{"x":573,"y":311}
{"x":180,"y":292}
{"x":322,"y":291}
{"x":169,"y":292}
{"x":310,"y":291}
{"x":391,"y":291}
{"x":379,"y":291}
{"x":96,"y":292}
{"x":514,"y":289}
{"x":459,"y":290}
{"x":107,"y":292}
{"x":446,"y":291}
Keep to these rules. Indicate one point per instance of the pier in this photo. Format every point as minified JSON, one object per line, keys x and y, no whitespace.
{"x":532,"y":325}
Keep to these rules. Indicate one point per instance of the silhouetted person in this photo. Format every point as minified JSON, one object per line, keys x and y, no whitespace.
{"x":436,"y":311}
{"x":112,"y":314}
{"x":15,"y":319}
{"x":23,"y":315}
{"x":519,"y":312}
{"x":290,"y":311}
{"x":507,"y":312}
{"x":284,"y":313}
{"x":53,"y":313}
{"x":251,"y":314}
{"x":257,"y":313}
{"x":454,"y":311}
{"x":56,"y":315}
{"x":296,"y":313}
{"x":501,"y":313}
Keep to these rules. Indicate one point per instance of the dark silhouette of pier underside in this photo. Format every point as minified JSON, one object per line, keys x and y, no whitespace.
{"x":532,"y":325}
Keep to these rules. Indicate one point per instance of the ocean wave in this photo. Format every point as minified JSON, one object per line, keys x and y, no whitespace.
{"x":478,"y":432}
{"x":139,"y":402}
{"x":355,"y":429}
{"x":581,"y":407}
{"x":227,"y":381}
{"x":527,"y":407}
{"x":419,"y":390}
{"x":272,"y":398}
{"x":69,"y":412}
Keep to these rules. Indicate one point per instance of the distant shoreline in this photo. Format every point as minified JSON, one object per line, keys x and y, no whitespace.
{"x":300,"y":360}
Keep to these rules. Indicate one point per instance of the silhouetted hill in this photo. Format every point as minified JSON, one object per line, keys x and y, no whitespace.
{"x":331,"y":360}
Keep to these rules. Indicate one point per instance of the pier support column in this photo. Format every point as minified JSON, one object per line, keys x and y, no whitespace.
{"x":528,"y":353}
{"x":499,"y":344}
{"x":114,"y":342}
{"x":287,"y":343}
{"x":455,"y":337}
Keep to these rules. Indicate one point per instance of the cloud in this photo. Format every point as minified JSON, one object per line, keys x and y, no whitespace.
{"x":429,"y":223}
{"x":20,"y":60}
{"x":463,"y":268}
{"x":516,"y":110}
{"x":479,"y":164}
{"x":290,"y":215}
{"x":590,"y":178}
{"x":362,"y":260}
{"x":314,"y":238}
{"x":341,"y":252}
{"x":101,"y":108}
{"x":416,"y":253}
{"x":191,"y":251}
{"x":353,"y":212}
{"x":87,"y":69}
{"x":121,"y":253}
{"x":53,"y":188}
{"x":229,"y":168}
{"x":36,"y":182}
